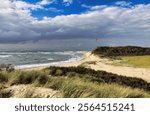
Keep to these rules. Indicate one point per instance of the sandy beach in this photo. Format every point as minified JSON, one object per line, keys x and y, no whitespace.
{"x":102,"y":64}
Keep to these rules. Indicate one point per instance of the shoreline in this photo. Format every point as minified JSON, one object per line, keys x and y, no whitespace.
{"x":42,"y":66}
{"x":100,"y":64}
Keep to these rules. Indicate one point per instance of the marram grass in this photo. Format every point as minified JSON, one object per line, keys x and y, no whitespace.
{"x":79,"y":88}
{"x":134,"y":61}
{"x":71,"y":85}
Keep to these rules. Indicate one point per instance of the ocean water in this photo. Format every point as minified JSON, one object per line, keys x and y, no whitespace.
{"x":36,"y":59}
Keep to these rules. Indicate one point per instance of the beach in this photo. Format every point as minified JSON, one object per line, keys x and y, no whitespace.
{"x":102,"y":64}
{"x":89,"y":74}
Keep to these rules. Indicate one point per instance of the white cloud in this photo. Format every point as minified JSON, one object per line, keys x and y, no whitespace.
{"x":97,"y":7}
{"x":46,"y":2}
{"x":54,"y":9}
{"x":5,"y":4}
{"x":123,"y":3}
{"x":67,"y":2}
{"x":17,"y":24}
{"x":17,"y":4}
{"x":24,"y":5}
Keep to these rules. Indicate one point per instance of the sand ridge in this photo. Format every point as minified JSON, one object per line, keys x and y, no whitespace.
{"x":101,"y":64}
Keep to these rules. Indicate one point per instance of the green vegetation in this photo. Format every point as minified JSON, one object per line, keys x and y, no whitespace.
{"x":3,"y":77}
{"x":129,"y":55}
{"x":27,"y":77}
{"x":30,"y":94}
{"x":134,"y":61}
{"x":76,"y":82}
{"x":101,"y":77}
{"x":82,"y":82}
{"x":23,"y":77}
{"x":76,"y":87}
{"x":5,"y":94}
{"x":85,"y":64}
{"x":121,"y":51}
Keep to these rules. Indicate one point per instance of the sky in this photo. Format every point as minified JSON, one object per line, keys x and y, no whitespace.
{"x":73,"y":24}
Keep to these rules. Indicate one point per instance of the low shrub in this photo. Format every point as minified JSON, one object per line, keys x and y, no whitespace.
{"x":102,"y":77}
{"x":27,"y":77}
{"x":55,"y":82}
{"x":3,"y":77}
{"x":77,"y":87}
{"x":121,"y":51}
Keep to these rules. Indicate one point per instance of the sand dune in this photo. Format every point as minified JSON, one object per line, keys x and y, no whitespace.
{"x":24,"y":91}
{"x":101,"y":64}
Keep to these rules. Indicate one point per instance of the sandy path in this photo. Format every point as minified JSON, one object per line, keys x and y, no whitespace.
{"x":120,"y":70}
{"x":20,"y":91}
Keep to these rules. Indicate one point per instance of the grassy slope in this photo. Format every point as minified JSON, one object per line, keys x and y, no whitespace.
{"x":129,"y":55}
{"x":70,"y":85}
{"x":134,"y":61}
{"x":121,"y":51}
{"x":80,"y":88}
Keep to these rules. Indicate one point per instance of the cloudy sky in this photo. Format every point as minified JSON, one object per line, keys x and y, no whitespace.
{"x":73,"y":24}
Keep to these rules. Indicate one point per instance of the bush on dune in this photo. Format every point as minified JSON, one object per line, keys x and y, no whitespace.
{"x":27,"y":77}
{"x":102,"y":77}
{"x":3,"y":77}
{"x":41,"y":79}
{"x":121,"y":51}
{"x":76,"y":87}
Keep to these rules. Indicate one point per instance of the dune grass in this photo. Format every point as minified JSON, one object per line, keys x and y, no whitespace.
{"x":3,"y":77}
{"x":27,"y":77}
{"x":75,"y":82}
{"x":87,"y":63}
{"x":100,"y":76}
{"x":5,"y":93}
{"x":130,"y":55}
{"x":30,"y":94}
{"x":134,"y":61}
{"x":76,"y":87}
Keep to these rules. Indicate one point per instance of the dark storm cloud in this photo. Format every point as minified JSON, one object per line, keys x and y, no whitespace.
{"x":17,"y":24}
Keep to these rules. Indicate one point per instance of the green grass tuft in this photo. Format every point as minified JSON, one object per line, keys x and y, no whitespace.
{"x":28,"y":77}
{"x":85,"y":64}
{"x":3,"y":77}
{"x":134,"y":61}
{"x":79,"y":88}
{"x":102,"y":77}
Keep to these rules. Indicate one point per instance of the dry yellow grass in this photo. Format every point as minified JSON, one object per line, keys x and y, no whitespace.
{"x":76,"y":87}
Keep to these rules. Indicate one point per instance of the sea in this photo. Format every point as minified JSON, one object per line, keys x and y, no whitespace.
{"x":24,"y":59}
